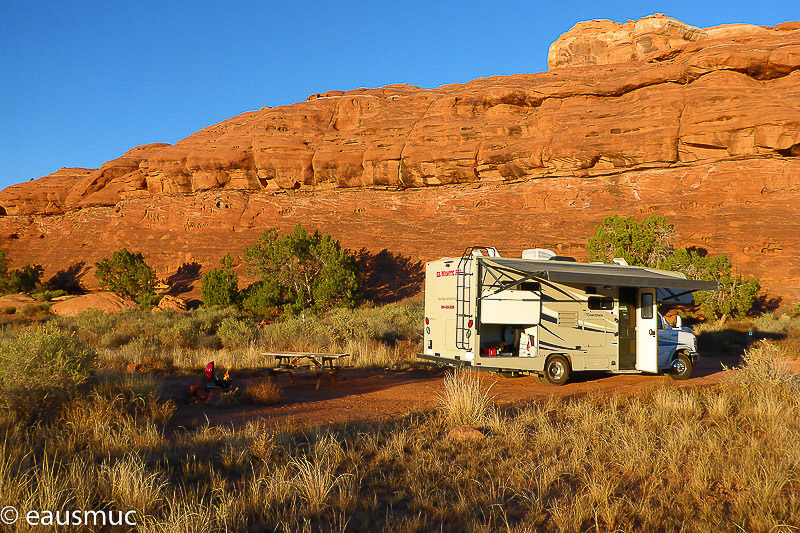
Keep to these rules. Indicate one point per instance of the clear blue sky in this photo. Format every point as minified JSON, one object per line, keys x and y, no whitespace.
{"x":82,"y":82}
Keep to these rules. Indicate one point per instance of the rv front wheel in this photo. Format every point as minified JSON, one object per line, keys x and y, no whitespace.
{"x":556,"y":371}
{"x":681,"y":367}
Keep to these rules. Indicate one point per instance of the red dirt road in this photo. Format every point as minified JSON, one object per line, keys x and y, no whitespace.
{"x":368,"y":395}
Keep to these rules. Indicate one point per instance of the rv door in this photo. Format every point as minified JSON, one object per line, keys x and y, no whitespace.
{"x":646,"y":331}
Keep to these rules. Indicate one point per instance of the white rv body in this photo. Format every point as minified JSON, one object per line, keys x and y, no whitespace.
{"x":518,"y":314}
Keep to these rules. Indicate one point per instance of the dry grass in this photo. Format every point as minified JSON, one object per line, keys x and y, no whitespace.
{"x":262,"y":391}
{"x":716,"y":459}
{"x":465,"y":400}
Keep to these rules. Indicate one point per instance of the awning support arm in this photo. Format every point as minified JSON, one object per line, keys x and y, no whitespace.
{"x":676,"y":296}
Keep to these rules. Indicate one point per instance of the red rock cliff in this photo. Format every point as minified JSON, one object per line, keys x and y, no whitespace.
{"x":702,"y":126}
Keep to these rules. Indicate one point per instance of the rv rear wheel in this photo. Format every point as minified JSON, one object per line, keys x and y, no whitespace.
{"x":556,"y":371}
{"x":681,"y":367}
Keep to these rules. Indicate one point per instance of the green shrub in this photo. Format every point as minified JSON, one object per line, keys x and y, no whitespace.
{"x":33,"y":310}
{"x":89,"y":325}
{"x":263,"y":297}
{"x":308,"y":270}
{"x":148,"y":300}
{"x":386,"y":323}
{"x":644,"y":243}
{"x":649,"y":243}
{"x":736,"y":294}
{"x":41,"y":366}
{"x":23,"y":279}
{"x":236,"y":333}
{"x":126,"y":273}
{"x":220,"y":286}
{"x":47,"y":295}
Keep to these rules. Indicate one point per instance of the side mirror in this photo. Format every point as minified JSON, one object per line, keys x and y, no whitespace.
{"x":678,"y":322}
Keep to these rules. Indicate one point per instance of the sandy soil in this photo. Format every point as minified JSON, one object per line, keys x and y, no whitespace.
{"x":368,"y":395}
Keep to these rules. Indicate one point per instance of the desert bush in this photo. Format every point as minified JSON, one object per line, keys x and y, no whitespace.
{"x":303,"y":270}
{"x":649,"y":243}
{"x":263,"y":391}
{"x":465,"y":400}
{"x":236,"y":333}
{"x":387,"y":323}
{"x":126,"y":273}
{"x":43,"y":365}
{"x":782,"y":323}
{"x":736,"y":293}
{"x":33,"y":310}
{"x":8,"y":310}
{"x":23,"y":279}
{"x":220,"y":286}
{"x":148,"y":300}
{"x":263,"y":298}
{"x":644,"y":243}
{"x":47,"y":295}
{"x":764,"y":370}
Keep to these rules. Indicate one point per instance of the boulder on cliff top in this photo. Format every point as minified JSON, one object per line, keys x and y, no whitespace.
{"x":104,"y":301}
{"x":604,"y":42}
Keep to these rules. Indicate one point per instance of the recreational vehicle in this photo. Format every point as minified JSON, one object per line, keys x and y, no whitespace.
{"x":552,"y":316}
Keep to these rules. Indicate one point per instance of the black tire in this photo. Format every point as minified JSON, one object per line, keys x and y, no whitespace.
{"x":681,"y":367}
{"x":556,"y":370}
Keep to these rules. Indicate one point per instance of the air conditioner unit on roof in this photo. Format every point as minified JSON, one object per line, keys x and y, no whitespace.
{"x":541,"y":254}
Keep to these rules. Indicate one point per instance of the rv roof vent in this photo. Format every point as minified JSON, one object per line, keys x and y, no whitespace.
{"x":541,"y":254}
{"x":620,"y":261}
{"x":563,"y":258}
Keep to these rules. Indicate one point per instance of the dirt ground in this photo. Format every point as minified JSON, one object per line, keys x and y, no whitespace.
{"x":367,"y":395}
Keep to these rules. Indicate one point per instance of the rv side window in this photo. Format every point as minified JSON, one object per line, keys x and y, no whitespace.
{"x":599,"y":302}
{"x":647,"y":305}
{"x":531,"y":286}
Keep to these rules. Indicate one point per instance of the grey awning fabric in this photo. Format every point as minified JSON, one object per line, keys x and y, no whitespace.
{"x":605,"y":274}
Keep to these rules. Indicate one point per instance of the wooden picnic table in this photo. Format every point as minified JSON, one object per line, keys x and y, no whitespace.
{"x":320,"y":364}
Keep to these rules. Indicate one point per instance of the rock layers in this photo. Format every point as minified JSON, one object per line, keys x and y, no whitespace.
{"x":702,"y":126}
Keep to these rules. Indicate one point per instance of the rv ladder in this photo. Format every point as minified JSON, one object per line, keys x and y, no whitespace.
{"x":464,"y":303}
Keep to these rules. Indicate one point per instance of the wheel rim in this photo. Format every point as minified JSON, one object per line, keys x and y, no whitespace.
{"x":556,"y":370}
{"x":678,"y":366}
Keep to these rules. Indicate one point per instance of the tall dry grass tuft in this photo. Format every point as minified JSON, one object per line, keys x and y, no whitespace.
{"x":131,"y":486}
{"x":261,"y":391}
{"x":314,"y":482}
{"x":465,"y":400}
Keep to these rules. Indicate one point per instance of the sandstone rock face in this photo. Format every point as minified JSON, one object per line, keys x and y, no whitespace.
{"x":171,"y":303}
{"x":603,"y":42}
{"x":104,"y":301}
{"x":16,"y":300}
{"x":704,"y":130}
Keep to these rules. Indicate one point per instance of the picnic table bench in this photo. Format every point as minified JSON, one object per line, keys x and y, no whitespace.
{"x":320,"y":364}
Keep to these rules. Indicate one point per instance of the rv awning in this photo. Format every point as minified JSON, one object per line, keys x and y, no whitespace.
{"x":601,"y":274}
